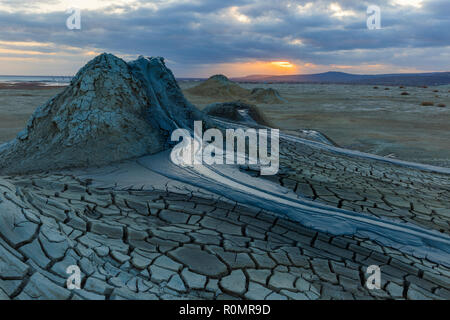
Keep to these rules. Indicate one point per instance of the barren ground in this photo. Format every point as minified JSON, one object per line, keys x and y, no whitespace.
{"x":378,"y":121}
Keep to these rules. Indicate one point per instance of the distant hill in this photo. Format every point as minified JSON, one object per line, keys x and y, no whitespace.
{"x":407,"y":79}
{"x":220,"y":87}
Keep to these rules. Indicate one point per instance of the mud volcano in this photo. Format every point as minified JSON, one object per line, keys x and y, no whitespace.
{"x":269,"y":96}
{"x":237,"y":111}
{"x":147,"y":228}
{"x":112,"y":110}
{"x":219,"y":86}
{"x":222,"y":88}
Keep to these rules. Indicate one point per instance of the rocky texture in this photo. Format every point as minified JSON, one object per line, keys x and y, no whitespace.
{"x":111,"y":111}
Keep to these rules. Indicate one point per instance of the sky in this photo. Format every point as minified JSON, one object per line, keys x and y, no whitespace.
{"x":199,"y":38}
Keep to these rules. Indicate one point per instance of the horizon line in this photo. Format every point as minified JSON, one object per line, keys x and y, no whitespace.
{"x":254,"y":75}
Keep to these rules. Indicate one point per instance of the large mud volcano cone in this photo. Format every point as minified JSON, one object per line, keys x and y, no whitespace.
{"x":111,"y":111}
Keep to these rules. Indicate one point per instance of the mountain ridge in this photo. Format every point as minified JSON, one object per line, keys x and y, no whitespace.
{"x":337,"y":77}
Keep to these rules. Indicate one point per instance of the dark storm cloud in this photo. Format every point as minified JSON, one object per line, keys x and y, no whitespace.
{"x":209,"y":32}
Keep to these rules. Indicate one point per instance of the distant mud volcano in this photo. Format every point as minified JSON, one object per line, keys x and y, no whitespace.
{"x":268,"y":96}
{"x":112,"y":110}
{"x":220,"y":87}
{"x":237,"y":111}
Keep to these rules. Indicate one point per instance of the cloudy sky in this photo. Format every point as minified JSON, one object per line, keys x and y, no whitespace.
{"x":235,"y":37}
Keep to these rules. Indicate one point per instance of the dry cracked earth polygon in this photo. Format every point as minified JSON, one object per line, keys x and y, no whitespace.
{"x":170,"y":243}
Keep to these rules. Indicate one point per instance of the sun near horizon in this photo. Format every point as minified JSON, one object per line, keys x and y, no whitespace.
{"x":283,"y":64}
{"x":242,"y":69}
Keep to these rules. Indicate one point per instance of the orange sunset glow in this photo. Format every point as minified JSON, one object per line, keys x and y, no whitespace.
{"x":283,"y":64}
{"x":239,"y":69}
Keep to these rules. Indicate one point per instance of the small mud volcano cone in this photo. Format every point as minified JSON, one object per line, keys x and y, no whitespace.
{"x":237,"y":111}
{"x":268,"y":96}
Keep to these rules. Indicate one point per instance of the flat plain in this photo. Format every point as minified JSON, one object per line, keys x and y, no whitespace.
{"x":365,"y":118}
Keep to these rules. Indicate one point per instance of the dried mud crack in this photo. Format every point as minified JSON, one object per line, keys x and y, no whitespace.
{"x":173,"y":244}
{"x":88,"y":184}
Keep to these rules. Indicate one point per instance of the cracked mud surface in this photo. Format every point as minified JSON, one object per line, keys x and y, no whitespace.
{"x":136,"y":234}
{"x":170,"y":243}
{"x":371,"y":187}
